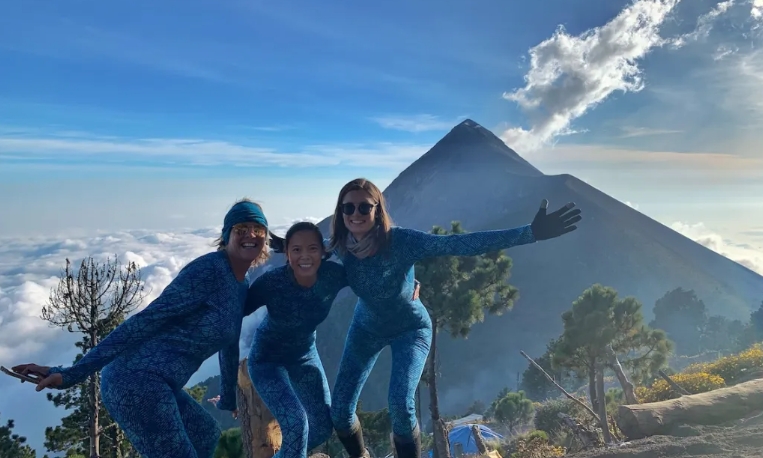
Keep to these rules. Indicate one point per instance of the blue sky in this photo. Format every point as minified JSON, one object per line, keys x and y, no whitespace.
{"x":156,"y":116}
{"x":206,"y":101}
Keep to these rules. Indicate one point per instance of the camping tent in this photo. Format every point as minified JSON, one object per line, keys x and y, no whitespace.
{"x":462,"y":435}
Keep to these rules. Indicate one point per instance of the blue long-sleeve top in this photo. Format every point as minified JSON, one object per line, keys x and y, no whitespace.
{"x":288,"y":330}
{"x":384,"y":282}
{"x":197,"y":315}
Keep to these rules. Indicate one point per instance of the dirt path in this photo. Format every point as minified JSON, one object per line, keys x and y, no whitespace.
{"x":739,"y":439}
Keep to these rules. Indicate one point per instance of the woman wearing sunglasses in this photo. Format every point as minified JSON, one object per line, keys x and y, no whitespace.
{"x":283,"y":363}
{"x":148,"y":359}
{"x":379,"y":261}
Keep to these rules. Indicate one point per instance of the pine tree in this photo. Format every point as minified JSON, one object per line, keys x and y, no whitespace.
{"x":92,"y":301}
{"x":458,"y":291}
{"x":683,"y":317}
{"x":12,"y":445}
{"x":600,"y":324}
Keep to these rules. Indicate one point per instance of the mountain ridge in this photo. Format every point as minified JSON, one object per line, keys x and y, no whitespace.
{"x":470,"y":177}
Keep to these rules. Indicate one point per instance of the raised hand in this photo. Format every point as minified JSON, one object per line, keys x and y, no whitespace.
{"x":547,"y":226}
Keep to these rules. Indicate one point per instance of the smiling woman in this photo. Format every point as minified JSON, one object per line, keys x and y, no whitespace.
{"x":379,"y":260}
{"x":148,"y":359}
{"x":283,"y":362}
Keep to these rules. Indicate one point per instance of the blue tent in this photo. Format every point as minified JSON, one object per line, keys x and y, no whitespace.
{"x":462,"y":434}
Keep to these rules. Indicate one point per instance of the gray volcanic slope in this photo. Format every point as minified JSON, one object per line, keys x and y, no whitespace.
{"x":472,"y":176}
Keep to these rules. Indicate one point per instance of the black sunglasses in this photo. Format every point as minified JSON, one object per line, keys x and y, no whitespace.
{"x":364,"y":208}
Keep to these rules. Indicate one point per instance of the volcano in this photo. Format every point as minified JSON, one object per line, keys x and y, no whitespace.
{"x":472,"y":176}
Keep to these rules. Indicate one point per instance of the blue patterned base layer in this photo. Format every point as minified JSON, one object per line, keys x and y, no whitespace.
{"x":362,"y":349}
{"x":159,"y":422}
{"x":298,"y":396}
{"x":385,"y":315}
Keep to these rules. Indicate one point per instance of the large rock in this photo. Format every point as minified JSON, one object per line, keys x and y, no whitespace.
{"x":711,"y":408}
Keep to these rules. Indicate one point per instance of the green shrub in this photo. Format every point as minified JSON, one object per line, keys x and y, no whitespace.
{"x":697,"y":382}
{"x":547,"y":414}
{"x":535,"y":446}
{"x":733,"y":367}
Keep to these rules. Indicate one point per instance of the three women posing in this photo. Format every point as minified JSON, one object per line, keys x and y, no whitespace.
{"x":148,"y":359}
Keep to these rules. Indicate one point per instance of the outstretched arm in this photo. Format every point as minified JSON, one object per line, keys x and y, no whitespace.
{"x":193,"y":288}
{"x":417,"y":245}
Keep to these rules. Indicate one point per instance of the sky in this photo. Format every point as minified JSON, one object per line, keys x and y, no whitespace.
{"x":129,"y":128}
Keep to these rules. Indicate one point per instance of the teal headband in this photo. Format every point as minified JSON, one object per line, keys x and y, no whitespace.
{"x":242,"y":212}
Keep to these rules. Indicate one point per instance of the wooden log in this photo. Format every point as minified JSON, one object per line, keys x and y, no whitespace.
{"x":479,"y":441}
{"x":260,"y":432}
{"x":710,"y":408}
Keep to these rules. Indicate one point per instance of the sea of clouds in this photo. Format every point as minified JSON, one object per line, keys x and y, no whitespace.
{"x":30,"y":267}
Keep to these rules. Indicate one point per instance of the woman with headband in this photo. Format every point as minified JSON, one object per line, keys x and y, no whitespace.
{"x":147,"y":360}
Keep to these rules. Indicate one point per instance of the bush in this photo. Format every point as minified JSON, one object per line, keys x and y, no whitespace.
{"x":535,"y":445}
{"x":514,"y":409}
{"x":510,"y":447}
{"x":699,"y":382}
{"x":732,"y":368}
{"x":546,"y":414}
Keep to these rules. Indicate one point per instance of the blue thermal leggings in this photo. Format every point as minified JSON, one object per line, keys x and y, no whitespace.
{"x":298,"y":396}
{"x":158,"y":421}
{"x":409,"y":354}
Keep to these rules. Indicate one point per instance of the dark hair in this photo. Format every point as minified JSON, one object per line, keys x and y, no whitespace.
{"x":339,"y":231}
{"x":280,"y":245}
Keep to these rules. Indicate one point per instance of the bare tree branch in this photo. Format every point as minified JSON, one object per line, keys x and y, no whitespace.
{"x":92,"y":301}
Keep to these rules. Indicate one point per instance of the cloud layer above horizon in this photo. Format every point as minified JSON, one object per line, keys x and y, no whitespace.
{"x":31,"y":267}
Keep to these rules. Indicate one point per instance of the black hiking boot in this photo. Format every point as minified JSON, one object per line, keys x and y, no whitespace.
{"x":406,"y":448}
{"x":353,"y":442}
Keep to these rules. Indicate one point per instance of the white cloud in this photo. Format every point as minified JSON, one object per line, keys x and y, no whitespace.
{"x":629,"y":132}
{"x":718,"y":165}
{"x":570,"y":75}
{"x":201,"y":152}
{"x":757,"y":9}
{"x":746,"y":255}
{"x":416,"y":123}
{"x":704,"y":24}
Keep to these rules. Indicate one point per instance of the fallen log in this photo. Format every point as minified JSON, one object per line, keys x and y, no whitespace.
{"x":479,"y":441}
{"x":710,"y":408}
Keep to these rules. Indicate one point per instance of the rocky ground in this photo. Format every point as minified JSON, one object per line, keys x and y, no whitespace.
{"x":738,"y":439}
